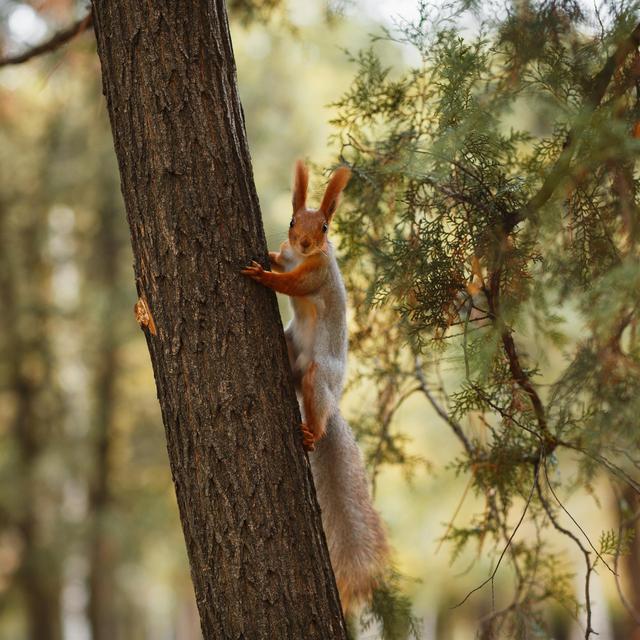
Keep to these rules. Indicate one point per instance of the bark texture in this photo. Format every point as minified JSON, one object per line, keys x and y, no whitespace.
{"x":258,"y":557}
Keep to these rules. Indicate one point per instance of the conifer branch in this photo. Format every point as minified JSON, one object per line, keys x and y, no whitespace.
{"x":558,"y":172}
{"x":509,"y":541}
{"x":519,"y":375}
{"x":506,"y":415}
{"x":444,"y":190}
{"x":57,"y":40}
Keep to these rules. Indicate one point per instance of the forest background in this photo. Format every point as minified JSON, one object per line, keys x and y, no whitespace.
{"x":87,"y":507}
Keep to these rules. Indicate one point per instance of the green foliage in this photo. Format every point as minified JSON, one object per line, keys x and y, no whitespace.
{"x":390,"y":611}
{"x":612,"y":543}
{"x":495,"y":214}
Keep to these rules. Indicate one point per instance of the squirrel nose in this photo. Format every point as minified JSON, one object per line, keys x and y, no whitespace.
{"x":305,"y":244}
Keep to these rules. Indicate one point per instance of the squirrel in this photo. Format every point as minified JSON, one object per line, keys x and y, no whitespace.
{"x":306,"y":269}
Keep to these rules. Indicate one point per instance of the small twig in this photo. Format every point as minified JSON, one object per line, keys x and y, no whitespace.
{"x":509,"y":541}
{"x":467,"y":371}
{"x":509,"y":416}
{"x":455,"y":513}
{"x":514,"y":557}
{"x":614,"y":469}
{"x":455,"y":426}
{"x":383,"y":436}
{"x":486,"y":622}
{"x":459,"y":322}
{"x":582,"y":531}
{"x":624,"y":452}
{"x":558,"y":527}
{"x":56,"y":41}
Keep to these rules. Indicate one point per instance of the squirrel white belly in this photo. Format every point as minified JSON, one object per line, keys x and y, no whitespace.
{"x":306,"y":270}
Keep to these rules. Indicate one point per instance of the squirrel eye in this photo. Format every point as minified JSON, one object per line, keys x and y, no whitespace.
{"x":325,"y":227}
{"x":291,"y":223}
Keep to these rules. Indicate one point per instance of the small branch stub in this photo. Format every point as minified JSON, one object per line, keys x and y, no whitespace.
{"x":143,"y":315}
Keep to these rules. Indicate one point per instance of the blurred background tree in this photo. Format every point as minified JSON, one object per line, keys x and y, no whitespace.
{"x":494,"y":357}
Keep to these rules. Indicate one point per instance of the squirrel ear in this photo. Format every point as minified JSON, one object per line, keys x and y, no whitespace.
{"x":331,"y":197}
{"x":300,"y":183}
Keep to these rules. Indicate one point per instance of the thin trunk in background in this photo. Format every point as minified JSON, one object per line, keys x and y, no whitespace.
{"x":104,"y":272}
{"x":27,"y":355}
{"x":629,"y":581}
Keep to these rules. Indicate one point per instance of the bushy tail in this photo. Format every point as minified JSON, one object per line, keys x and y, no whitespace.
{"x":355,"y":534}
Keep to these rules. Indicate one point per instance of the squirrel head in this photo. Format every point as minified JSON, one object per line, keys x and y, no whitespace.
{"x":309,"y":227}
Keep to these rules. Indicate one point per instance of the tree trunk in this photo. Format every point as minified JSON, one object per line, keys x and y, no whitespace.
{"x":630,"y":561}
{"x":27,"y":341}
{"x":103,"y":272}
{"x":258,"y":557}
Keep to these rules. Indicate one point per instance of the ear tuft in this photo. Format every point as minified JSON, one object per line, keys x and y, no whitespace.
{"x":337,"y":183}
{"x":300,"y":182}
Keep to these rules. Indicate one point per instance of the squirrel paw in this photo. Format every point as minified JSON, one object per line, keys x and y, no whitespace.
{"x":254,"y":270}
{"x":308,"y":439}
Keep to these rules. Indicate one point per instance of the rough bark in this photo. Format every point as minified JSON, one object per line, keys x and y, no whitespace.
{"x":258,"y":558}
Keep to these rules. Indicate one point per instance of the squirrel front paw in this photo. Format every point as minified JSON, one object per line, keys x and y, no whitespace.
{"x":308,"y":439}
{"x":254,"y":271}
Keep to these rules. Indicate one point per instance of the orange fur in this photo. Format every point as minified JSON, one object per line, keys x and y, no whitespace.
{"x":336,"y":184}
{"x":308,"y":439}
{"x":316,"y":344}
{"x":302,"y":281}
{"x":301,"y":182}
{"x":316,"y":422}
{"x":307,"y":232}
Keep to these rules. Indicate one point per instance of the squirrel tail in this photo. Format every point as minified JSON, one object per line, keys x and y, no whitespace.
{"x":355,"y":534}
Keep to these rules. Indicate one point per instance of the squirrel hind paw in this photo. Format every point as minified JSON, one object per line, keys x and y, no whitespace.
{"x":308,"y":438}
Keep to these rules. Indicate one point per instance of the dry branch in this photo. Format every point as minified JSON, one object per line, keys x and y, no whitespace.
{"x":57,"y":40}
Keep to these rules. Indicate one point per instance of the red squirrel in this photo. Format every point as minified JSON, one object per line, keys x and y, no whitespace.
{"x":306,"y":269}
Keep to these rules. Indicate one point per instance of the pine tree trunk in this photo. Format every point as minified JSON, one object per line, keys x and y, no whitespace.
{"x":27,"y":340}
{"x":258,"y":557}
{"x":107,"y":365}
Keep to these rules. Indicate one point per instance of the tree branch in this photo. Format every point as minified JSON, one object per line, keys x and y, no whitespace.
{"x":582,"y":531}
{"x":455,"y":426}
{"x":56,"y":41}
{"x":523,"y":380}
{"x":556,"y":525}
{"x":509,"y":541}
{"x":518,"y":374}
{"x":616,"y":471}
